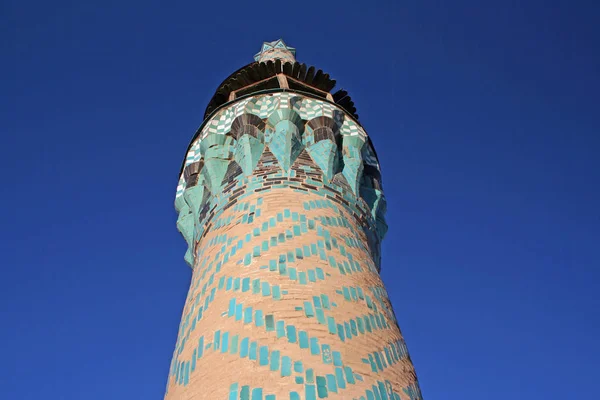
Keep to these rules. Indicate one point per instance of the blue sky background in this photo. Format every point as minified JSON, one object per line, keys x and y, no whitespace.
{"x":485,"y":116}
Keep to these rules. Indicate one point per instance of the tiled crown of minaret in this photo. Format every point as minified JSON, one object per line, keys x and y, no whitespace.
{"x":276,"y":50}
{"x":280,"y":201}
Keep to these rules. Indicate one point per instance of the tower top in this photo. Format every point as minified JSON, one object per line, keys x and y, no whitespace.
{"x":276,"y":50}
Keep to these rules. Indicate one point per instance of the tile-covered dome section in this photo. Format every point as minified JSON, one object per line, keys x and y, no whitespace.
{"x":276,"y":50}
{"x":282,"y":126}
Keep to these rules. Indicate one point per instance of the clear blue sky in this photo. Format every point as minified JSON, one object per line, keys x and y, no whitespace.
{"x":485,"y":118}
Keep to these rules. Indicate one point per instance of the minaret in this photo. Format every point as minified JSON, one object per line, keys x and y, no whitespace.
{"x":281,"y":203}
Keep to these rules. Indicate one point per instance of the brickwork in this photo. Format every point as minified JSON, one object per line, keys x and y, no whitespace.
{"x":287,"y":297}
{"x":281,"y":203}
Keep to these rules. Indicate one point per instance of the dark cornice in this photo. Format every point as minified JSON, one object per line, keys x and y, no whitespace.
{"x":256,"y":72}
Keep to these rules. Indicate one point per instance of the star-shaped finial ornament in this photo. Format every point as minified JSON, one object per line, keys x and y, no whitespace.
{"x":276,"y":50}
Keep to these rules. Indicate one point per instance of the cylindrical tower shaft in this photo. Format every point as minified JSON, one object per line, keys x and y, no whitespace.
{"x":280,"y":201}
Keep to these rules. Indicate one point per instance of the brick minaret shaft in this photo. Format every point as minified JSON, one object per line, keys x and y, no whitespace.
{"x":281,"y":204}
